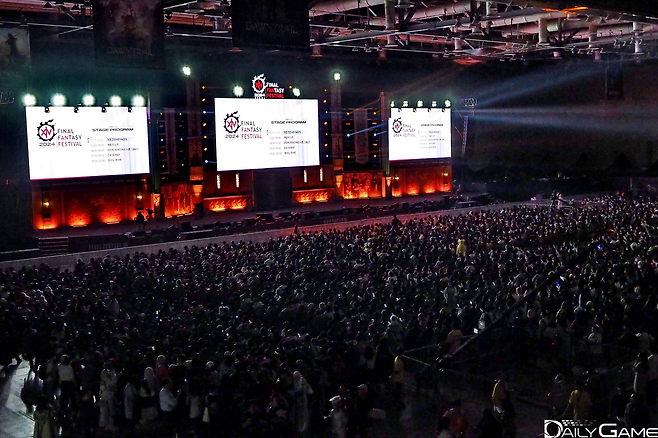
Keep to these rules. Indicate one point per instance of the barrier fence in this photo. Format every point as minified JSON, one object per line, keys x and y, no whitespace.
{"x":431,"y":372}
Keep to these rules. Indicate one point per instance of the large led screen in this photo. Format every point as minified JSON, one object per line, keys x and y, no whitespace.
{"x":266,"y":133}
{"x":64,"y":143}
{"x":422,"y":133}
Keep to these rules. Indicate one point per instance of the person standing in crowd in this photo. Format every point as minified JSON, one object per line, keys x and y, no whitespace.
{"x":301,"y":390}
{"x":641,"y":368}
{"x":461,"y":248}
{"x":636,"y":415}
{"x":87,"y":423}
{"x":195,"y":403}
{"x":443,"y":429}
{"x":140,"y":220}
{"x":489,"y":427}
{"x":338,"y":418}
{"x":652,"y":380}
{"x":147,"y":404}
{"x":502,"y":397}
{"x":168,"y":403}
{"x":580,"y":403}
{"x":595,"y":340}
{"x":44,"y":420}
{"x":161,"y":370}
{"x":66,"y":376}
{"x":359,"y":413}
{"x":107,"y":401}
{"x":618,"y":403}
{"x":129,"y":401}
{"x":397,"y":378}
{"x":454,"y":338}
{"x":457,"y":421}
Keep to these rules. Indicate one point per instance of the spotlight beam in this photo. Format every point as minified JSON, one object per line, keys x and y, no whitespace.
{"x":583,"y":119}
{"x":368,"y":129}
{"x":534,"y":83}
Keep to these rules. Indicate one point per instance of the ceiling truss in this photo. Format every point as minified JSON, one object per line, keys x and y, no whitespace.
{"x":467,"y":31}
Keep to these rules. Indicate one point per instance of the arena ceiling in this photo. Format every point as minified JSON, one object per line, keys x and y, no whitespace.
{"x":463,"y":31}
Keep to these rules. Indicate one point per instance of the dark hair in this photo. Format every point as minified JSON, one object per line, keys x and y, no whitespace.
{"x":42,"y":401}
{"x":442,"y":424}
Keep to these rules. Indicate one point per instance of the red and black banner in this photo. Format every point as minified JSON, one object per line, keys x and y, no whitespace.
{"x":129,"y":34}
{"x":274,"y":24}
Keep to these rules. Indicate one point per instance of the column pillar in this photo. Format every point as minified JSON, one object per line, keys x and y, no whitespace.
{"x":336,"y":109}
{"x":194,"y":141}
{"x":384,"y":115}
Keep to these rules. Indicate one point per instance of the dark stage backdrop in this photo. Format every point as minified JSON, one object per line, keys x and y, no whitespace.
{"x":129,"y":34}
{"x":276,"y":24}
{"x":272,"y":189}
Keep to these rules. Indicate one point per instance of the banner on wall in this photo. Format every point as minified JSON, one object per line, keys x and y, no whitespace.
{"x":14,"y":49}
{"x":129,"y":34}
{"x":270,"y":24}
{"x":614,"y":81}
{"x":361,"y":136}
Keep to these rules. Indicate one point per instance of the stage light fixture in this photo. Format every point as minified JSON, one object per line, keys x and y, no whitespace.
{"x":296,"y":92}
{"x":115,"y":101}
{"x":138,"y":100}
{"x":238,"y":91}
{"x":337,"y":76}
{"x":29,"y":99}
{"x":434,"y":104}
{"x":187,"y":70}
{"x":447,"y":103}
{"x":58,"y":99}
{"x":405,"y":104}
{"x":419,"y":104}
{"x":88,"y":100}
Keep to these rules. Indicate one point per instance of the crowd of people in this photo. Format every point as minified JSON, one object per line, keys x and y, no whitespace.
{"x":306,"y":334}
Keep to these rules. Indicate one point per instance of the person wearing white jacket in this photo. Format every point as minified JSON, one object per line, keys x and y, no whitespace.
{"x":107,"y":404}
{"x":301,"y":390}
